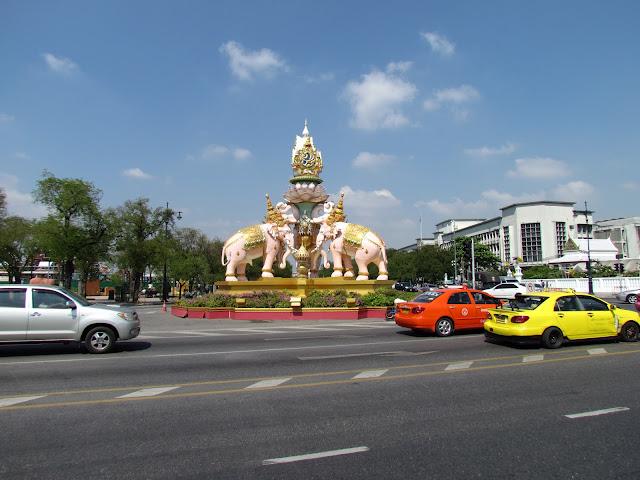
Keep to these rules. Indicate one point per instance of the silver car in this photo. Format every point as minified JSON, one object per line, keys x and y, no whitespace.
{"x":629,"y":296}
{"x":39,"y":313}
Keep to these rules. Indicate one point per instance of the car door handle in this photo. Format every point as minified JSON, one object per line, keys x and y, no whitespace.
{"x":36,"y":314}
{"x":590,"y":314}
{"x":561,"y":315}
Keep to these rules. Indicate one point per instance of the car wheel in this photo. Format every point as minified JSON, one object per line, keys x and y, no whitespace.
{"x":444,"y":327}
{"x":632,"y":298}
{"x":552,"y":338}
{"x":630,"y":332}
{"x":390,"y":315}
{"x":100,"y":340}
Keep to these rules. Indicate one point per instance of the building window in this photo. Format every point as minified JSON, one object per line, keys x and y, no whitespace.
{"x":531,"y":242}
{"x":561,"y":237}
{"x":507,"y":245}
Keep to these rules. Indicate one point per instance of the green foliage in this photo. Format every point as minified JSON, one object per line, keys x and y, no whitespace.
{"x":330,"y":298}
{"x":210,"y":300}
{"x":600,"y":270}
{"x":267,"y":299}
{"x":542,"y":271}
{"x":17,"y":247}
{"x":384,"y":297}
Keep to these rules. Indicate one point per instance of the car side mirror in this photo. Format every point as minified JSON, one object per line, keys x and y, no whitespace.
{"x":71,"y":305}
{"x":612,"y":307}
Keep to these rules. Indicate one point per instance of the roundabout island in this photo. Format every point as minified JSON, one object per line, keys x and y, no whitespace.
{"x":311,"y":230}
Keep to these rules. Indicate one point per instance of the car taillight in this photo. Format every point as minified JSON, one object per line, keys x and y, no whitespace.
{"x":417,"y":310}
{"x":519,"y":319}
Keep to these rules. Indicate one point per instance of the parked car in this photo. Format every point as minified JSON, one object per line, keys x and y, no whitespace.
{"x":405,"y":287}
{"x":629,"y":296}
{"x":38,"y":313}
{"x":506,"y":290}
{"x":444,"y":311}
{"x":551,"y":318}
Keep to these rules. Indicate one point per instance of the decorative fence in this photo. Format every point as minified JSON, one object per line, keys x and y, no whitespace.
{"x":606,"y":285}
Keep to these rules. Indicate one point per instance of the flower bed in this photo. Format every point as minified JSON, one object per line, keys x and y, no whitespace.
{"x":276,"y":305}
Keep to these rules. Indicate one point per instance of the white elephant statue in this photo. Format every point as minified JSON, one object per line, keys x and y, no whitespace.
{"x":262,"y":240}
{"x":351,"y":240}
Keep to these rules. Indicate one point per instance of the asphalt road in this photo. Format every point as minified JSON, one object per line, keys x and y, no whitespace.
{"x":218,"y":400}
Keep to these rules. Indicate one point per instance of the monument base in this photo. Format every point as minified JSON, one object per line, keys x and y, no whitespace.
{"x":301,"y":287}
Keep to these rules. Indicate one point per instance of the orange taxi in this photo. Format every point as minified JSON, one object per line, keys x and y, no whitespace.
{"x":446,"y":310}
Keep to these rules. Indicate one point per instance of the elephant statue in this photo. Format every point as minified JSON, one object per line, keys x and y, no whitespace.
{"x":261,"y":240}
{"x":351,"y":240}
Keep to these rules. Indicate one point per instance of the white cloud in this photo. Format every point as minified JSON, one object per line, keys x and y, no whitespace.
{"x":573,"y":191}
{"x":136,"y":173}
{"x":22,"y":156}
{"x":363,"y":203}
{"x":631,"y":186}
{"x":20,"y":203}
{"x":376,"y":99}
{"x":456,"y":206}
{"x":241,"y":154}
{"x":64,"y":66}
{"x":452,"y":97}
{"x":372,"y":160}
{"x":538,"y":168}
{"x":6,"y":118}
{"x":245,"y":64}
{"x":212,"y":152}
{"x":439,"y":43}
{"x":505,"y":149}
{"x":399,"y":67}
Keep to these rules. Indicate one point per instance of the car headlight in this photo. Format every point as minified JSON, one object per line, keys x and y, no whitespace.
{"x":123,"y":315}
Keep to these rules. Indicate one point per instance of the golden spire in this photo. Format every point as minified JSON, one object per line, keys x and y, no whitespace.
{"x":272,"y":215}
{"x":337,"y":214}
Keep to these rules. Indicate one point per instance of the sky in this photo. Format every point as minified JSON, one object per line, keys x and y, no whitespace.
{"x":423,"y":110}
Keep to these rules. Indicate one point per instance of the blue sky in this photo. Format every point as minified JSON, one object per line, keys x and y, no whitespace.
{"x":421,"y":109}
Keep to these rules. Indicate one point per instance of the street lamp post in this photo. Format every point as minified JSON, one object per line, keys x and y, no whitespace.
{"x":589,"y":276}
{"x":167,"y":217}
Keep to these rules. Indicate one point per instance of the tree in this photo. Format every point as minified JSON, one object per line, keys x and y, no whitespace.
{"x":187,"y":264}
{"x":17,"y":247}
{"x":542,"y":271}
{"x":135,"y":226}
{"x":3,"y":204}
{"x":66,"y":233}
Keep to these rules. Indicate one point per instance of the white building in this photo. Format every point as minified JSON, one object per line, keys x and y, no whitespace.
{"x":624,"y":233}
{"x":535,"y":232}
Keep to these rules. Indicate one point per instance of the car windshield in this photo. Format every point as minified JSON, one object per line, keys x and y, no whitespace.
{"x":81,"y":300}
{"x":427,"y":297}
{"x":526,"y":302}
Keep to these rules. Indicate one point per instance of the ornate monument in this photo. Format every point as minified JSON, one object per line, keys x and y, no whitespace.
{"x":300,"y":227}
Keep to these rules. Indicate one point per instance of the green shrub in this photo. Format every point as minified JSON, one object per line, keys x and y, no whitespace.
{"x":266,"y":299}
{"x":330,"y":298}
{"x":384,"y":297}
{"x":210,"y":300}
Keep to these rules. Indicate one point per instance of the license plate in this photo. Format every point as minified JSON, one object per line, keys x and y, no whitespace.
{"x":501,"y":318}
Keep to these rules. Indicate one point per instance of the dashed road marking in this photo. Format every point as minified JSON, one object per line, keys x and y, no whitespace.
{"x":596,"y":351}
{"x":148,"y":392}
{"x":7,"y":402}
{"x":273,"y":382}
{"x":595,"y":413}
{"x":458,"y":365}
{"x":313,"y":456}
{"x":532,"y":358}
{"x":199,"y":333}
{"x":257,"y":330}
{"x":371,"y":373}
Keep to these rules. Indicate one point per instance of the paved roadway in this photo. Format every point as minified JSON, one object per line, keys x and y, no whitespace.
{"x":366,"y":399}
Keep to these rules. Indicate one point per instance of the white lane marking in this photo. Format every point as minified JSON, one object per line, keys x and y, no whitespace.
{"x":371,"y":373}
{"x":349,"y":355}
{"x":597,"y":412}
{"x":273,"y":382}
{"x":148,"y":392}
{"x":128,"y":357}
{"x":533,"y":358}
{"x":458,"y":365}
{"x":198,"y":333}
{"x":360,"y":325}
{"x":313,"y":456}
{"x":596,"y":351}
{"x":316,"y":329}
{"x":257,"y":330}
{"x":315,"y":337}
{"x":7,"y":402}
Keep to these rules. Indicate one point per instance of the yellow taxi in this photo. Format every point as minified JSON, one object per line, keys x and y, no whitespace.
{"x":551,"y":318}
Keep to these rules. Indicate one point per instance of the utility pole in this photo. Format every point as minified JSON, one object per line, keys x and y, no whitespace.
{"x":473,"y":264}
{"x":589,"y":277}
